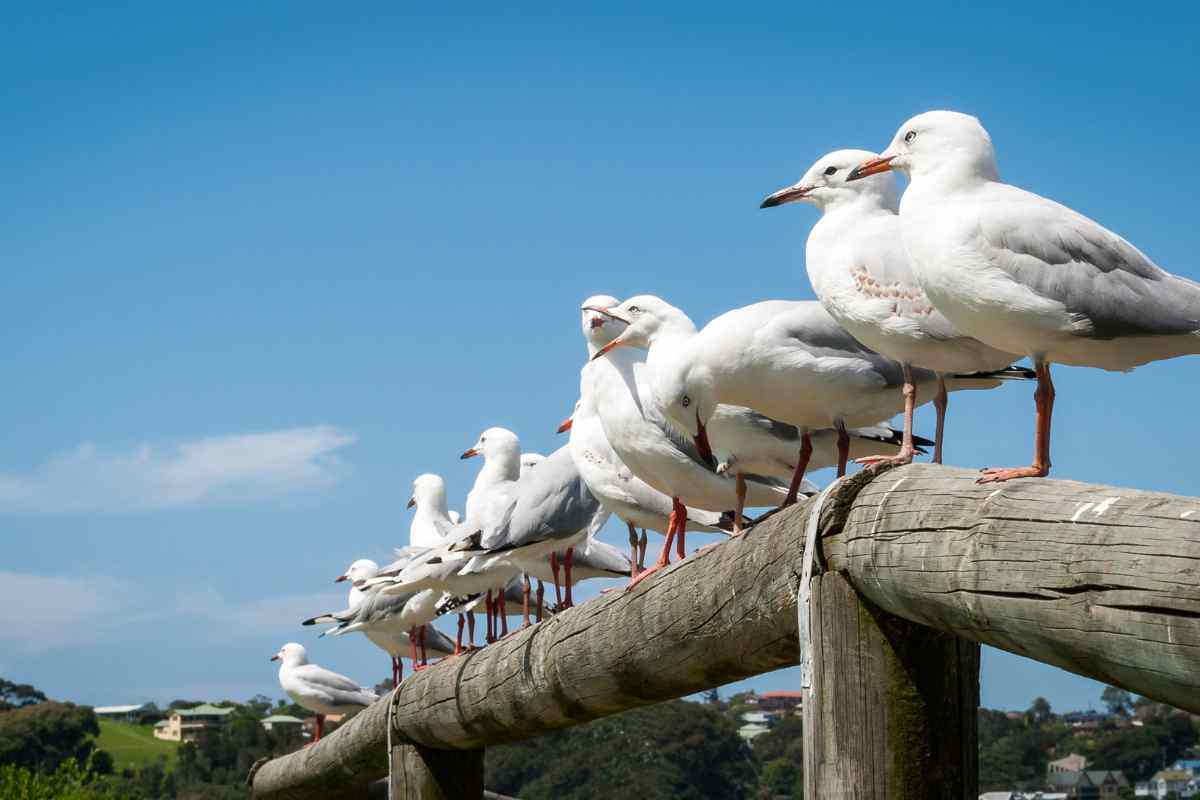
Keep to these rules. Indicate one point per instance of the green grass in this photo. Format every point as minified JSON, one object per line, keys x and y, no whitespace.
{"x":133,"y":745}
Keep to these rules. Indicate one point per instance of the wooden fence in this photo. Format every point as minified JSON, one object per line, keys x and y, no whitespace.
{"x":915,"y":568}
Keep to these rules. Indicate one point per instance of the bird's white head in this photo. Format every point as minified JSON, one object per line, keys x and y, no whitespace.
{"x":646,"y":319}
{"x":360,"y":570}
{"x":686,"y":392}
{"x":598,"y":328}
{"x":496,"y":443}
{"x":428,"y":490}
{"x":944,"y":143}
{"x":292,"y":655}
{"x":826,"y":184}
{"x":529,"y":461}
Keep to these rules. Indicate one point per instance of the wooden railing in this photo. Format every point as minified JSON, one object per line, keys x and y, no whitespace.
{"x":916,"y":567}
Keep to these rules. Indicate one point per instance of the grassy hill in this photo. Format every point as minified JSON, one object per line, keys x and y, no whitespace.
{"x":133,"y":745}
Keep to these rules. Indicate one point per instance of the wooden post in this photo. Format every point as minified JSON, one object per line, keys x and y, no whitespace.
{"x":423,"y":773}
{"x":891,"y":713}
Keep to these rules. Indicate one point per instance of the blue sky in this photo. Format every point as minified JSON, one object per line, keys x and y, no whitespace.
{"x":264,"y":265}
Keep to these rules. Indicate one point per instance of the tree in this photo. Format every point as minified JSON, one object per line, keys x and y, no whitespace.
{"x":1039,"y":711}
{"x":44,"y":735}
{"x":1117,"y":700}
{"x":18,"y":695}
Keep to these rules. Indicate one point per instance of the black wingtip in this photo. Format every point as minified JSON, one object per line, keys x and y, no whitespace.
{"x":1012,"y":373}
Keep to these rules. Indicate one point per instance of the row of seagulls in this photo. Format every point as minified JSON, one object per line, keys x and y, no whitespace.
{"x":679,"y":427}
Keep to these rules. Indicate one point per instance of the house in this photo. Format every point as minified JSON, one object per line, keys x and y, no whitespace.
{"x":1094,"y":784}
{"x":782,"y":702}
{"x":1172,"y":780}
{"x":129,"y":713}
{"x":282,"y":722}
{"x":188,"y":724}
{"x":1071,"y":763}
{"x":1191,"y":765}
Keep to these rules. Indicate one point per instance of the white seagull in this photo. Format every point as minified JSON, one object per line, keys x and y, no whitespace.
{"x":395,"y":642}
{"x":432,"y":522}
{"x":655,"y":450}
{"x":1025,"y":274}
{"x":861,"y":273}
{"x":316,"y":688}
{"x":637,"y":503}
{"x":789,"y":360}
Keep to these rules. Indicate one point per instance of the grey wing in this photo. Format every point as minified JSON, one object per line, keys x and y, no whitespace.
{"x":377,"y":607}
{"x":552,"y":502}
{"x":806,"y":326}
{"x":328,"y":681}
{"x":602,"y":556}
{"x":1109,"y":286}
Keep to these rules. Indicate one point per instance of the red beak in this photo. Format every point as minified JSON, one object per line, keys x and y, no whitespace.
{"x":339,"y":579}
{"x":412,"y":501}
{"x":872,"y":166}
{"x":274,"y":658}
{"x":789,"y":195}
{"x":613,"y":345}
{"x":470,"y":453}
{"x":566,"y":425}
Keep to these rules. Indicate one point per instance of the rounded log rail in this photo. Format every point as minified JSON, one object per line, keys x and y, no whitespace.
{"x":1098,"y":580}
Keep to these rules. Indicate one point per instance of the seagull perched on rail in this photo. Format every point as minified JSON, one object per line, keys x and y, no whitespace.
{"x":789,"y":360}
{"x":861,"y":273}
{"x":1025,"y":274}
{"x":318,"y":689}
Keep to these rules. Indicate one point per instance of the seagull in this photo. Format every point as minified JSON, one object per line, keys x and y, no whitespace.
{"x":395,"y":643}
{"x":635,"y":502}
{"x":393,"y":615}
{"x":788,"y":360}
{"x":316,"y":688}
{"x":861,"y":273}
{"x":1025,"y":274}
{"x":654,"y":450}
{"x":432,"y":521}
{"x":553,"y":511}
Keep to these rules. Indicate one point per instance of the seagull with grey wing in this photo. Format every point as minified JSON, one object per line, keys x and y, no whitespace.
{"x":553,"y":512}
{"x":319,"y":690}
{"x":1024,"y":274}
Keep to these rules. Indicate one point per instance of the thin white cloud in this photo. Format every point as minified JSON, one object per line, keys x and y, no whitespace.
{"x":40,"y":613}
{"x":219,"y":470}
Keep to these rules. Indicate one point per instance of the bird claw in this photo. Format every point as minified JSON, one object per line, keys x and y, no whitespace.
{"x":643,"y":575}
{"x":999,"y":475}
{"x":897,"y":460}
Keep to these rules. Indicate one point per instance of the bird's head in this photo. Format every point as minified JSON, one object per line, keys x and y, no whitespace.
{"x":827,"y":184}
{"x":936,"y":142}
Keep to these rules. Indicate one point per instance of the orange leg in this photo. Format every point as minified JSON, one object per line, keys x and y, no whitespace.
{"x":1040,"y":468}
{"x":678,"y":517}
{"x":740,"y":486}
{"x":567,"y":574}
{"x":905,"y":456}
{"x":941,"y":402}
{"x":801,"y":467}
{"x":633,"y":550}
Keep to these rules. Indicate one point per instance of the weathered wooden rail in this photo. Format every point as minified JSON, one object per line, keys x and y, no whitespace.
{"x":919,"y":565}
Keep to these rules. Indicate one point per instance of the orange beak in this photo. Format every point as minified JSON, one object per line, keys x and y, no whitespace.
{"x":566,"y":425}
{"x":613,"y":345}
{"x":789,"y":195}
{"x":470,"y":453}
{"x":872,"y":166}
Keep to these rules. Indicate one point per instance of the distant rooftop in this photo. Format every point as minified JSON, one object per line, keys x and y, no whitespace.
{"x":283,"y":718}
{"x":203,"y":710}
{"x":782,"y":695}
{"x":119,"y":709}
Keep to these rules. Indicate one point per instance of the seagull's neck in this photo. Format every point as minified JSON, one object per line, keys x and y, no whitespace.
{"x":433,"y":506}
{"x":948,"y":178}
{"x":498,"y":469}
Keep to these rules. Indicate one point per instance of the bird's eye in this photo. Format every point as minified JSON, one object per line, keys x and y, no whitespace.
{"x":686,"y":401}
{"x":634,"y":310}
{"x":908,"y":137}
{"x":830,"y":170}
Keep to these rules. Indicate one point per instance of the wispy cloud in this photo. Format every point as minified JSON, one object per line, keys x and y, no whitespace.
{"x":40,"y":613}
{"x":213,"y":470}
